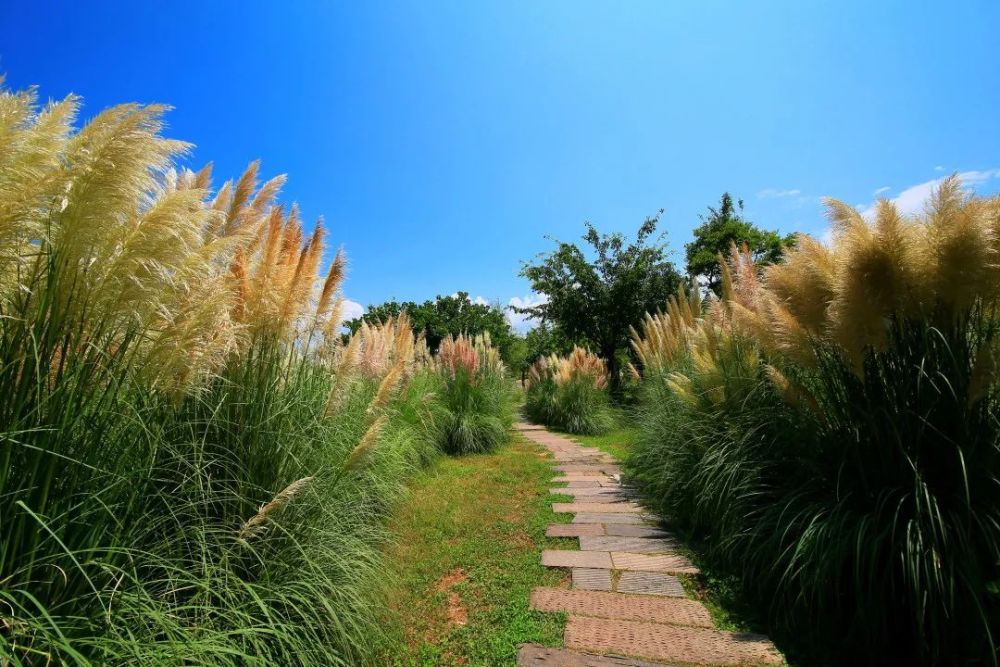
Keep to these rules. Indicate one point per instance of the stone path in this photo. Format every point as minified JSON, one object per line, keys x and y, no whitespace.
{"x":625,"y":607}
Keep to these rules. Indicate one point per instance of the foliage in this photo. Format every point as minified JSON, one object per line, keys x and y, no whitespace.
{"x":832,"y":432}
{"x":540,"y":341}
{"x":722,"y":228}
{"x":446,"y":316}
{"x":474,"y":401}
{"x":594,"y":301}
{"x":191,"y":467}
{"x":569,"y":393}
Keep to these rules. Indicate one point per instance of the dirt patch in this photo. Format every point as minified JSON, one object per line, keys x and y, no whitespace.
{"x":457,"y":613}
{"x":454,"y":577}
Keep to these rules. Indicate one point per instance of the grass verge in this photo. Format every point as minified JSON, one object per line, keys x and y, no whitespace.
{"x":466,"y":556}
{"x":618,"y":442}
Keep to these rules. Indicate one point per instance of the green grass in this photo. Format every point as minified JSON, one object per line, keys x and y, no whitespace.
{"x":618,"y":442}
{"x":466,"y":556}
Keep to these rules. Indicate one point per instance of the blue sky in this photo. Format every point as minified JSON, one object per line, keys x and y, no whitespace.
{"x":442,"y":141}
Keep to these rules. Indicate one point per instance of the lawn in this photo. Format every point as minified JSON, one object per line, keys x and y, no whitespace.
{"x":467,"y":555}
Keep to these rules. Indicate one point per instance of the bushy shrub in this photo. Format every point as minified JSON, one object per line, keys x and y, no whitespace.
{"x":473,"y":407}
{"x":570,"y":394}
{"x":833,"y":432}
{"x":192,"y":469}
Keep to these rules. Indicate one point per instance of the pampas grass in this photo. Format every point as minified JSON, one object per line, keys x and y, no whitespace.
{"x":193,"y":469}
{"x":474,"y":399}
{"x":829,"y":431}
{"x":570,"y":393}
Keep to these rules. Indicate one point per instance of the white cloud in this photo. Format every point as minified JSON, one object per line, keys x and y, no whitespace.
{"x":939,"y":168}
{"x":775,"y":193}
{"x":912,"y":199}
{"x":884,"y":188}
{"x":521,"y":322}
{"x":350,"y":309}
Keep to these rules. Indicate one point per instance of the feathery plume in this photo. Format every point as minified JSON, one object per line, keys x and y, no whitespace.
{"x":256,"y":524}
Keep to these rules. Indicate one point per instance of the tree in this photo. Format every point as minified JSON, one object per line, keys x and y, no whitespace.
{"x":446,"y":316}
{"x":594,"y":300}
{"x":720,"y":229}
{"x":537,"y":342}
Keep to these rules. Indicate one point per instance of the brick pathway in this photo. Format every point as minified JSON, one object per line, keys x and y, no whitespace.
{"x":625,"y":607}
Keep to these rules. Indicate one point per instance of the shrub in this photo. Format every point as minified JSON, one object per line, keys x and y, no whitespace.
{"x":190,"y":471}
{"x":832,"y":432}
{"x":474,"y":401}
{"x":570,"y":393}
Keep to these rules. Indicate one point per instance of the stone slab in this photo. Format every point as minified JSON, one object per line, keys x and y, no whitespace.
{"x":574,"y":529}
{"x":533,"y":655}
{"x":604,"y":517}
{"x":563,"y":558}
{"x":628,"y":530}
{"x":671,"y":564}
{"x":650,"y":583}
{"x":638,"y":545}
{"x":605,"y":508}
{"x":591,"y":579}
{"x":582,"y":477}
{"x":591,"y":492}
{"x":655,"y":641}
{"x":674,"y":611}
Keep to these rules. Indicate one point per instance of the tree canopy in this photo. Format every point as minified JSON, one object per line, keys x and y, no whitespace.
{"x":594,"y":296}
{"x":446,"y":316}
{"x":720,"y":229}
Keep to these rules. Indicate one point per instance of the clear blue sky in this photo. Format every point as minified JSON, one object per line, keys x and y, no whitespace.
{"x":442,"y":140}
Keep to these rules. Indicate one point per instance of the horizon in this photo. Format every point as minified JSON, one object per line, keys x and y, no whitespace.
{"x":442,"y":143}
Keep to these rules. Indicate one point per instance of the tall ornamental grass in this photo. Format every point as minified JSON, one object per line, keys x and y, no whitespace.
{"x":830,"y":430}
{"x":474,"y":406}
{"x":193,"y":469}
{"x":570,"y":393}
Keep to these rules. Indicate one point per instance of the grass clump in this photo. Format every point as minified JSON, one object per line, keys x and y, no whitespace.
{"x":570,"y":393}
{"x":830,"y":432}
{"x":193,"y":469}
{"x":473,"y":399}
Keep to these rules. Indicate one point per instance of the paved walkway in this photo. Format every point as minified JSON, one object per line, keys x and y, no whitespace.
{"x":625,"y":607}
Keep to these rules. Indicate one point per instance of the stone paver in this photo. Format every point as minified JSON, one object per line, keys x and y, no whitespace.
{"x":626,"y":530}
{"x":639,"y":545}
{"x":616,"y":508}
{"x":671,"y":564}
{"x":624,"y":599}
{"x":592,"y":493}
{"x":650,"y":583}
{"x":591,"y":579}
{"x":613,"y":498}
{"x":656,"y":641}
{"x":574,"y":530}
{"x":533,"y":655}
{"x":582,"y":477}
{"x":606,"y":517}
{"x":675,"y":611}
{"x":561,"y":558}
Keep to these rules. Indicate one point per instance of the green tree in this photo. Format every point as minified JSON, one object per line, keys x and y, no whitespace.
{"x":593,"y":300}
{"x":446,"y":316}
{"x":720,"y":229}
{"x":537,"y":342}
